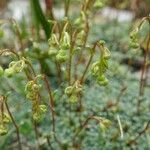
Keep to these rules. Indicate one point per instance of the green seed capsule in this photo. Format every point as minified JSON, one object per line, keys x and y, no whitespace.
{"x":106,"y":53}
{"x":69,"y":90}
{"x":43,"y":108}
{"x":29,"y":86}
{"x":61,"y":56}
{"x":102,"y":42}
{"x":9,"y":72}
{"x":103,"y":82}
{"x":101,"y":78}
{"x":52,"y":52}
{"x":6,"y":118}
{"x":73,"y":99}
{"x":36,"y":117}
{"x":3,"y":130}
{"x":95,"y":68}
{"x":134,"y":45}
{"x":134,"y":34}
{"x":65,"y":41}
{"x":35,"y":88}
{"x":53,"y":40}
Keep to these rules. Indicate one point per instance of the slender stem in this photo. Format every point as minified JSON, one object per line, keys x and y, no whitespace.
{"x":71,"y":55}
{"x":84,"y":125}
{"x":18,"y":33}
{"x":83,"y":46}
{"x":51,"y":102}
{"x":52,"y":108}
{"x":58,"y":68}
{"x":49,"y":143}
{"x":139,"y":134}
{"x":143,"y":78}
{"x":15,"y":125}
{"x":67,"y":4}
{"x":123,"y":89}
{"x":88,"y":64}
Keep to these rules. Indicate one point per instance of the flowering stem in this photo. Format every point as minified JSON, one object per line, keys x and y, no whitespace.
{"x":71,"y":55}
{"x":15,"y":125}
{"x":143,"y":77}
{"x":84,"y":125}
{"x":88,"y":64}
{"x":67,"y":4}
{"x":51,"y":102}
{"x":139,"y":134}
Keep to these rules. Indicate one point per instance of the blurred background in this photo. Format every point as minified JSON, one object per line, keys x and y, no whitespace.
{"x":126,"y":8}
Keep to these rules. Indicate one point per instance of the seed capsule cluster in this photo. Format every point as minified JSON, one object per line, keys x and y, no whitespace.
{"x":32,"y":93}
{"x":4,"y":118}
{"x":14,"y":68}
{"x":73,"y":91}
{"x":58,"y":49}
{"x":99,"y":68}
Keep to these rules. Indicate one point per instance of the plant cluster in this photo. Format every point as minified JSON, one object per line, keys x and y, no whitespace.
{"x":57,"y":77}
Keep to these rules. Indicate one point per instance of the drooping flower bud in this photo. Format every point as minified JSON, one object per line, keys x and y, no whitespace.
{"x":69,"y":90}
{"x":9,"y":72}
{"x":3,"y":130}
{"x":104,"y":124}
{"x":99,"y":68}
{"x":61,"y":56}
{"x":52,"y":52}
{"x":43,"y":108}
{"x":73,"y":91}
{"x":53,"y":40}
{"x":65,"y":40}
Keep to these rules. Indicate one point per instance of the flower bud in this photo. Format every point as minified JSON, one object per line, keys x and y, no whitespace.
{"x":43,"y":108}
{"x":95,"y":68}
{"x":29,"y":85}
{"x":134,"y":34}
{"x":69,"y":90}
{"x":61,"y":56}
{"x":9,"y":72}
{"x":53,"y":40}
{"x":73,"y":99}
{"x":80,"y":37}
{"x":102,"y":42}
{"x":78,"y":87}
{"x":134,"y":45}
{"x":36,"y":117}
{"x":103,"y":83}
{"x":52,"y":51}
{"x":65,"y":40}
{"x":6,"y":118}
{"x":106,"y":53}
{"x":3,"y":130}
{"x":35,"y":87}
{"x":30,"y":96}
{"x":104,"y":124}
